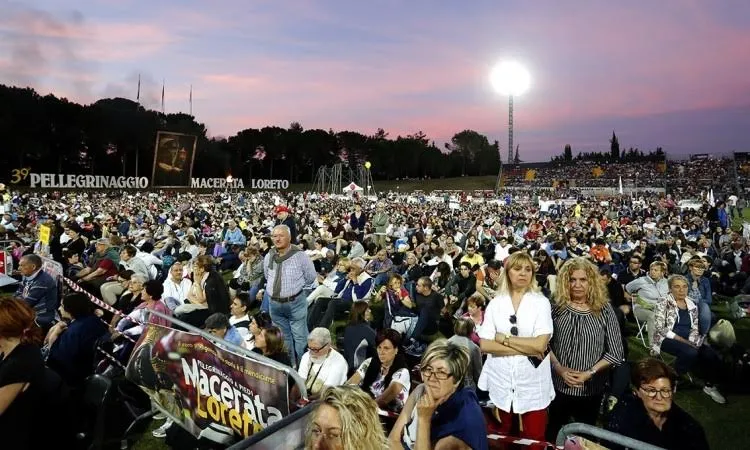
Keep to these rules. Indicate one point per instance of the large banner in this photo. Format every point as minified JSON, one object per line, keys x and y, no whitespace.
{"x":173,"y":159}
{"x":210,"y":391}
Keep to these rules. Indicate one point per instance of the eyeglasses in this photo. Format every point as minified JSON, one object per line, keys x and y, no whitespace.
{"x":514,"y":328}
{"x":316,"y":350}
{"x":428,"y":372}
{"x":329,"y":436}
{"x":665,"y":393}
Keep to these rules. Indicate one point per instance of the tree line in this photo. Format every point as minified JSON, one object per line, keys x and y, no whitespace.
{"x":630,"y":155}
{"x":116,"y":136}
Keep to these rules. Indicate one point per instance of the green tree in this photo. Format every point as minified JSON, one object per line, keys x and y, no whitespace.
{"x":614,"y":147}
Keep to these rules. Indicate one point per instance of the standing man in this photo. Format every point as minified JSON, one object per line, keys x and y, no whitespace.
{"x":283,"y":218}
{"x":290,"y":276}
{"x":380,"y":223}
{"x":38,"y":289}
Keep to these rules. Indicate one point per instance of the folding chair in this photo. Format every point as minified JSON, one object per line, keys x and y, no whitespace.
{"x":641,"y":326}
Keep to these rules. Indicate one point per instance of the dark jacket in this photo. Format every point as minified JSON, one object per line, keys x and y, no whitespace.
{"x":353,"y":336}
{"x":680,"y":431}
{"x":72,"y":354}
{"x":40,"y":293}
{"x":217,"y":295}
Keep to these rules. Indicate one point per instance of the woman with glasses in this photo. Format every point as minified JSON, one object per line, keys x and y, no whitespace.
{"x":650,"y":415}
{"x":516,"y":330}
{"x":587,"y":342}
{"x":345,"y":418}
{"x":385,"y":377}
{"x":441,"y":412}
{"x":321,"y":365}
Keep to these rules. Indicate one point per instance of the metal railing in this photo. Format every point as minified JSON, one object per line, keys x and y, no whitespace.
{"x":599,"y":433}
{"x":298,"y":380}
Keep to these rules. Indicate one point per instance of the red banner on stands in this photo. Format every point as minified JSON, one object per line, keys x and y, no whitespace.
{"x":2,"y":263}
{"x":208,"y":390}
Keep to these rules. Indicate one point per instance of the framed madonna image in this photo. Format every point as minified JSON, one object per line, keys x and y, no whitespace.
{"x":174,"y":154}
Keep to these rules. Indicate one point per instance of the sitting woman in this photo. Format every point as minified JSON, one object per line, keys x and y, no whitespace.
{"x":386,"y":377}
{"x":70,"y":342}
{"x":441,"y":413}
{"x":345,"y":418}
{"x":258,"y":323}
{"x":247,"y":277}
{"x":331,"y":284}
{"x":130,"y":295}
{"x":270,"y":343}
{"x":207,"y":295}
{"x":463,"y":329}
{"x":475,"y":312}
{"x":359,"y":337}
{"x":398,"y":306}
{"x":676,"y":332}
{"x":21,"y":374}
{"x":650,"y":416}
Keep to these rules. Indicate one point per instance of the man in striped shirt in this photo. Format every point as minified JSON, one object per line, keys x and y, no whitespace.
{"x":290,"y":276}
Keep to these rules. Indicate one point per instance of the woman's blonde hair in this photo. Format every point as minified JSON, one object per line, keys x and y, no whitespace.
{"x":597,"y":292}
{"x":659,"y":264}
{"x":358,"y":412}
{"x":456,"y":357}
{"x":516,"y":260}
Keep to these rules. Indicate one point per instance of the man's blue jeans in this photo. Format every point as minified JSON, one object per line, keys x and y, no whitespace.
{"x":291,"y":318}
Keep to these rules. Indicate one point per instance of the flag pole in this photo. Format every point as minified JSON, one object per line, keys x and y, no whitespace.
{"x":138,"y":109}
{"x":162,"y":96}
{"x":191,"y":99}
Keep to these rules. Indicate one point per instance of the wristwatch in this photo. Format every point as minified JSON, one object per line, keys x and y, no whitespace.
{"x":592,"y":371}
{"x":505,"y":341}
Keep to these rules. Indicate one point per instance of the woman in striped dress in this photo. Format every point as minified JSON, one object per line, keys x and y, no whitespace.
{"x":586,"y":343}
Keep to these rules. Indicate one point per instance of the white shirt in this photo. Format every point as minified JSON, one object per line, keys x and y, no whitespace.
{"x":502,"y":252}
{"x":151,"y":262}
{"x":177,"y":291}
{"x":512,"y":381}
{"x":330,"y":372}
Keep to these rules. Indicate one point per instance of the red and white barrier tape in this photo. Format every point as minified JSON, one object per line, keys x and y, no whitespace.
{"x":110,"y":358}
{"x":98,"y":302}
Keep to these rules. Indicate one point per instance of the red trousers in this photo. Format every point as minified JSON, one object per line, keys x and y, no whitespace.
{"x":529,"y":425}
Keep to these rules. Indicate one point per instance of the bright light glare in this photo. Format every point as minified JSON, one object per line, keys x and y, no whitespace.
{"x":510,"y":78}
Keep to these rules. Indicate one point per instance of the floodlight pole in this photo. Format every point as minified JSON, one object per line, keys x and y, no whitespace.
{"x":510,"y":129}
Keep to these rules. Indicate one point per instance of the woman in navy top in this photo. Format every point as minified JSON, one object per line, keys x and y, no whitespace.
{"x":440,"y":411}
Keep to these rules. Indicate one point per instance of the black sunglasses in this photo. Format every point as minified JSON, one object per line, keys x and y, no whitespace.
{"x":514,"y":328}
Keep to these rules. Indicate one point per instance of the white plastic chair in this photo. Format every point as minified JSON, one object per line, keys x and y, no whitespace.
{"x":641,"y":326}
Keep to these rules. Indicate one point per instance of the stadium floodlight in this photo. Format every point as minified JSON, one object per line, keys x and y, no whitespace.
{"x":512,"y":79}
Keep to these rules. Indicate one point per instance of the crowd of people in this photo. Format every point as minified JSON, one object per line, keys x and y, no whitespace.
{"x":504,"y":317}
{"x":683,"y":178}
